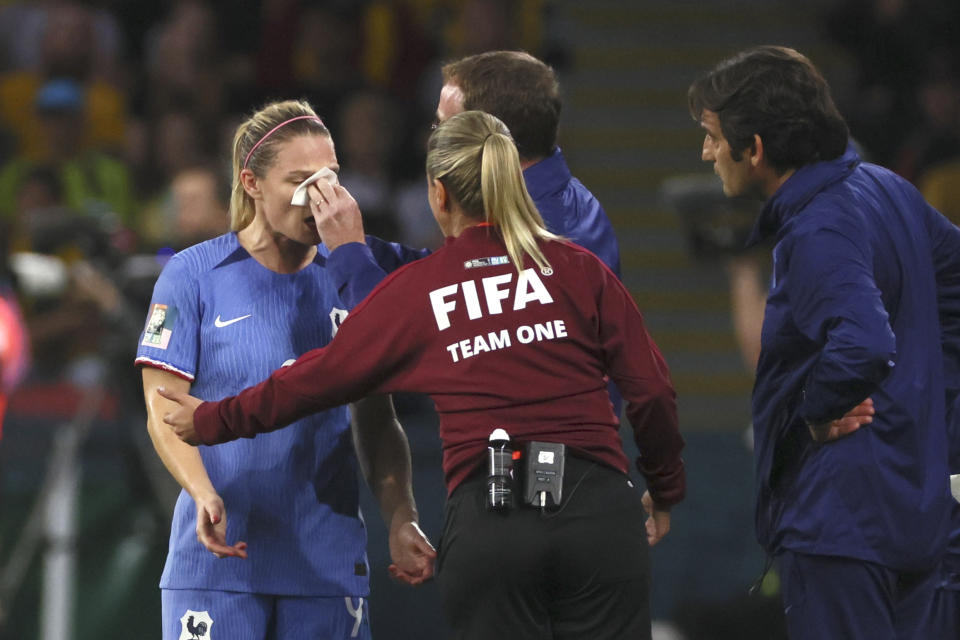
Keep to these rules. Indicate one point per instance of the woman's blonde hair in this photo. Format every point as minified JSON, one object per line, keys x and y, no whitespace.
{"x":255,"y":147}
{"x":474,"y":157}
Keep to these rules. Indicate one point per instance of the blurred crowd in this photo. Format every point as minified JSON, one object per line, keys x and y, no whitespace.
{"x":116,"y":118}
{"x":115,"y":125}
{"x":115,"y":122}
{"x":902,"y":101}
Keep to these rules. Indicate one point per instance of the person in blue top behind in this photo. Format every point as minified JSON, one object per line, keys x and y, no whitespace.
{"x":267,"y":540}
{"x":849,"y":399}
{"x":524,"y":93}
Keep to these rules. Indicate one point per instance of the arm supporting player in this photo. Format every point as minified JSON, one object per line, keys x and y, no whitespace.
{"x":368,"y":357}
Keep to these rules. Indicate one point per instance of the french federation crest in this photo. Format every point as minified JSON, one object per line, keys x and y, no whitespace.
{"x":337,"y":316}
{"x":195,"y":625}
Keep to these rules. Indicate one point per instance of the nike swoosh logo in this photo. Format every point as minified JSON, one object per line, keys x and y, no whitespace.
{"x":226,"y":323}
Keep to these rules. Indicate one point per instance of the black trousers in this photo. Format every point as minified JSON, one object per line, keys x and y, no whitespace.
{"x":577,"y":571}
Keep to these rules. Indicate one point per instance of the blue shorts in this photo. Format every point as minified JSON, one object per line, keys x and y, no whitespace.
{"x":945,"y":607}
{"x":827,"y":597}
{"x":228,"y":615}
{"x":945,"y":614}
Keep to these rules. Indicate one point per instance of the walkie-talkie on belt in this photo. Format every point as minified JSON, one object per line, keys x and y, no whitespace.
{"x":543,"y":474}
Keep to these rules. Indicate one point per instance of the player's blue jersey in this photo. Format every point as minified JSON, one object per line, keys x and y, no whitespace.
{"x":223,"y":321}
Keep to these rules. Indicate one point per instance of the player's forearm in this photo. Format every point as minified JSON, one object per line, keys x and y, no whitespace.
{"x":384,"y":455}
{"x":394,"y":494}
{"x":390,"y":479}
{"x":181,"y":460}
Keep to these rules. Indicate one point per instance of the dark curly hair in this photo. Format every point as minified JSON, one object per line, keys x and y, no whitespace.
{"x":776,"y":93}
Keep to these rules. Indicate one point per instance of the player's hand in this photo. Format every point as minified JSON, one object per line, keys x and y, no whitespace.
{"x":181,"y":418}
{"x":336,"y":213}
{"x":851,"y":421}
{"x":658,"y":522}
{"x":212,"y":528}
{"x":412,"y":554}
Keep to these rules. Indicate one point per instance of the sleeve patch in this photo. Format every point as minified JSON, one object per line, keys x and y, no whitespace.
{"x":159,"y":326}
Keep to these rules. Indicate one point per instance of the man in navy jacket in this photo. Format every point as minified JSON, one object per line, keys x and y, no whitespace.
{"x":524,"y":93}
{"x":849,"y":399}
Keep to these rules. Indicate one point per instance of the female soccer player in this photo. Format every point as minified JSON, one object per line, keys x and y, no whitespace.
{"x":225,"y":314}
{"x":506,"y":326}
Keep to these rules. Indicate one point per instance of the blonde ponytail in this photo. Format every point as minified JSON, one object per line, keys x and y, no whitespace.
{"x":474,"y":149}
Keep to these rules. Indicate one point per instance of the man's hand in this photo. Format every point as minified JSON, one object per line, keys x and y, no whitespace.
{"x":851,"y":421}
{"x":412,"y":555}
{"x":658,"y":524}
{"x":336,"y":214}
{"x":212,"y":528}
{"x":181,"y":419}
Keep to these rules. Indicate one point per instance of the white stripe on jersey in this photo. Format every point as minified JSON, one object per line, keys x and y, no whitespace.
{"x":163,"y":365}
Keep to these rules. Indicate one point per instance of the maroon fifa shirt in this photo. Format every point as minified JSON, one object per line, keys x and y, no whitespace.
{"x":528,"y":352}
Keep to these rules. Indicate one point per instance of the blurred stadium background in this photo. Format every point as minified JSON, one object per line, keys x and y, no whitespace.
{"x":113,"y":147}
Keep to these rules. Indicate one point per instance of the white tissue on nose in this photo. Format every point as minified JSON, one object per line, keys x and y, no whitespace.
{"x":300,"y":193}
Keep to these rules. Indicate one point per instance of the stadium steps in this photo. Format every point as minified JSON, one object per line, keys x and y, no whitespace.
{"x":626,"y":129}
